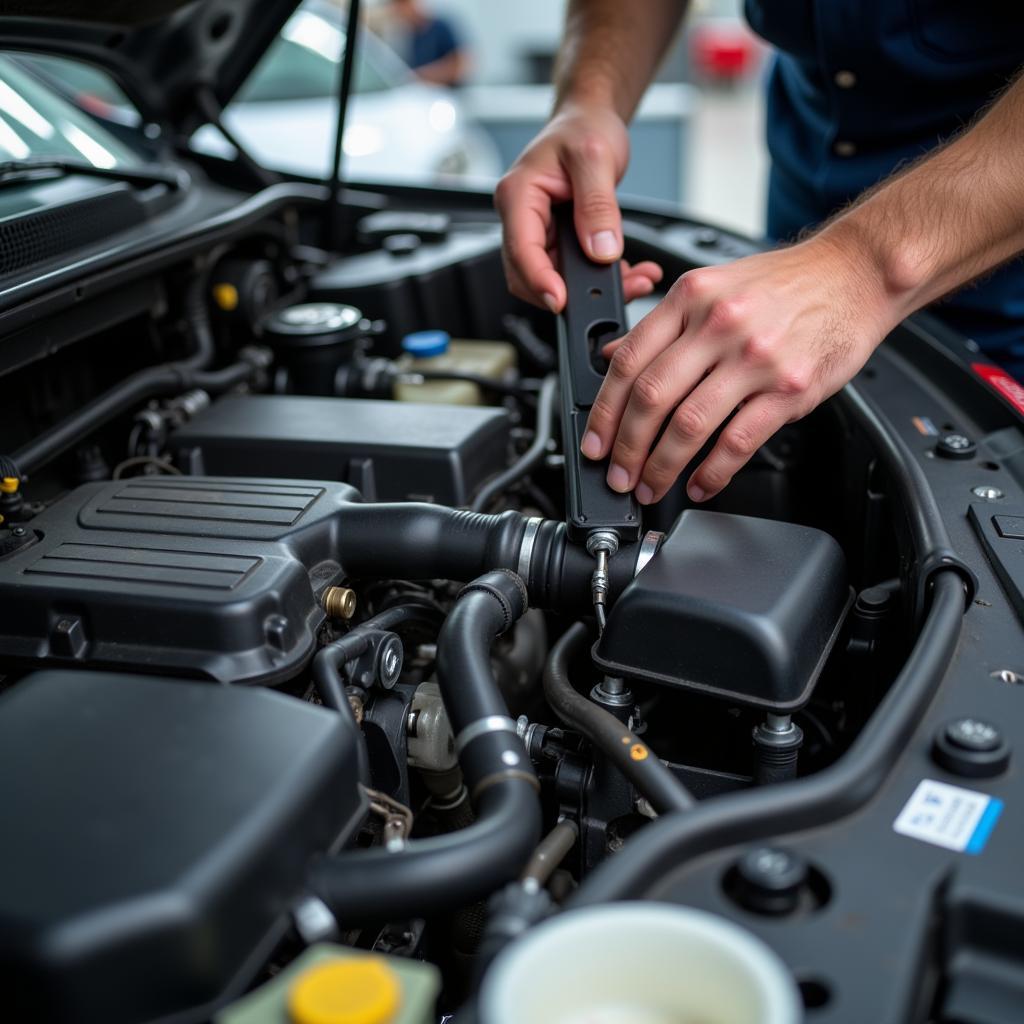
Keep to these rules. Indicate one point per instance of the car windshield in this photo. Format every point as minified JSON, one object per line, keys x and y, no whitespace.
{"x":38,"y":124}
{"x":302,"y":63}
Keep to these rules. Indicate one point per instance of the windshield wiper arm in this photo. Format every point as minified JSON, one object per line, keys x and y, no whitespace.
{"x":42,"y":167}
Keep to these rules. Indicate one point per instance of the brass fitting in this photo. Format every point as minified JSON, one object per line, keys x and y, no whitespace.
{"x":339,"y":602}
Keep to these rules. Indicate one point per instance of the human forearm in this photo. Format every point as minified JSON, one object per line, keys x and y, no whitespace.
{"x":951,"y":217}
{"x":610,"y":53}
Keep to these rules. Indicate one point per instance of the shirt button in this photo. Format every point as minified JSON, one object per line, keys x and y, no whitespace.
{"x":844,"y":148}
{"x":845,"y":79}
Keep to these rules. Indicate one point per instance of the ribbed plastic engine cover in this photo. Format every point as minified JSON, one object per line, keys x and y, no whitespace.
{"x":204,"y":577}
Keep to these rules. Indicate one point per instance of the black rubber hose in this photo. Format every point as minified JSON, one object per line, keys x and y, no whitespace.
{"x":153,"y":382}
{"x":330,"y":659}
{"x":417,"y":541}
{"x":650,"y":857}
{"x":652,"y":779}
{"x":533,"y":455}
{"x":526,"y":340}
{"x":442,"y":872}
{"x":929,"y":539}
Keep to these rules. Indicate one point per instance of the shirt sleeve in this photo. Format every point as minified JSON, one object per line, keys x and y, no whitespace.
{"x":446,"y":40}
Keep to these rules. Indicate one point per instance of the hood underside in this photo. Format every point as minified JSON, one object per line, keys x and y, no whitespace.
{"x":161,"y":52}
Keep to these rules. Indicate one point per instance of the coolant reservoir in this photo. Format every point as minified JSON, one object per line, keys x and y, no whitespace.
{"x":330,"y":984}
{"x":672,"y":965}
{"x":434,"y":352}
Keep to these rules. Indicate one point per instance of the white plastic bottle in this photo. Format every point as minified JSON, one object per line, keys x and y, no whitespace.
{"x":430,"y":352}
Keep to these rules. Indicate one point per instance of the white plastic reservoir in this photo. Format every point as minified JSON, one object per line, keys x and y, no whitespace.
{"x":639,"y":963}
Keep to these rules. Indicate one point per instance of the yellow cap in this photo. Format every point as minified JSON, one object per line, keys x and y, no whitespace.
{"x":9,"y":484}
{"x":226,"y":296}
{"x":363,"y":990}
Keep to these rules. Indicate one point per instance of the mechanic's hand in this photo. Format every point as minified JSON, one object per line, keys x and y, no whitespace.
{"x":581,"y":154}
{"x":775,"y":334}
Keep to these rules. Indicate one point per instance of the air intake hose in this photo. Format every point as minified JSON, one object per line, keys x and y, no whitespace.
{"x":417,"y":541}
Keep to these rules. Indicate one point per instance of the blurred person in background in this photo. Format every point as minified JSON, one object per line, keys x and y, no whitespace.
{"x":896,"y":134}
{"x":430,"y":44}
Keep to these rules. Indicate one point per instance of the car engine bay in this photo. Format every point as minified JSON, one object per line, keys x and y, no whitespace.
{"x":317,"y":634}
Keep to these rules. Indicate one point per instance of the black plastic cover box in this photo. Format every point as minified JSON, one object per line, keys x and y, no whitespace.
{"x":734,"y":607}
{"x":203,"y":577}
{"x":156,"y":835}
{"x":391,"y":451}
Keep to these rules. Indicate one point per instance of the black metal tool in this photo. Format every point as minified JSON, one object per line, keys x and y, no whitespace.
{"x":594,"y":315}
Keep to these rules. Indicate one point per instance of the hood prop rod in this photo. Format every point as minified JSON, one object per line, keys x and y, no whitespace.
{"x":344,"y":88}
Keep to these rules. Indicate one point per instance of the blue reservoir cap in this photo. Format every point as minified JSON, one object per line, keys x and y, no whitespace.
{"x":424,"y":344}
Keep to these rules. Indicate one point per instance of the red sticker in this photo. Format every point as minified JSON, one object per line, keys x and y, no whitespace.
{"x":1009,"y":387}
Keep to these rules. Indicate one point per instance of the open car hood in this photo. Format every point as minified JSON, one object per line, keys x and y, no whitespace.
{"x":159,"y":51}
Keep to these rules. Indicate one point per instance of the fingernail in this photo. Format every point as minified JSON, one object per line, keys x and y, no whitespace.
{"x":550,"y":301}
{"x":591,"y":445}
{"x":644,"y":494}
{"x":696,"y":493}
{"x":604,"y":245}
{"x":618,"y":479}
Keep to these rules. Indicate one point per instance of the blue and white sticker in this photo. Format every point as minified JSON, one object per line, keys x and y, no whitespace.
{"x":944,"y":815}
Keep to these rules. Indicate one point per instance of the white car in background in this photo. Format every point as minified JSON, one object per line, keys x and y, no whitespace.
{"x":398,"y":128}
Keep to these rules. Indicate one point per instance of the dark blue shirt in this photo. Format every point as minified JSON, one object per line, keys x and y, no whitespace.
{"x":434,"y":40}
{"x":860,"y":87}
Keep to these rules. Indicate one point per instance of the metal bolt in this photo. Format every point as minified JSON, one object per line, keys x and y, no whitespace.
{"x":770,"y":880}
{"x":18,"y":531}
{"x":339,"y":602}
{"x":389,"y":662}
{"x":971,"y":747}
{"x":987,"y":492}
{"x":606,"y":541}
{"x":778,"y":723}
{"x":973,"y":734}
{"x":613,"y":685}
{"x":1007,"y":675}
{"x":356,"y":703}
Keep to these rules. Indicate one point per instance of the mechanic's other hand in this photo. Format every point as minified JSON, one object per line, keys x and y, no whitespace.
{"x":580,"y":154}
{"x":773,"y":334}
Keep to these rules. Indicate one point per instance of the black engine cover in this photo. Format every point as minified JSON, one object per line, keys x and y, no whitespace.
{"x":203,"y":577}
{"x":732,"y":606}
{"x":391,"y":451}
{"x":155,"y":836}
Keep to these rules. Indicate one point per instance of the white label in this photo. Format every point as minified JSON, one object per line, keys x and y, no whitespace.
{"x":958,"y":819}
